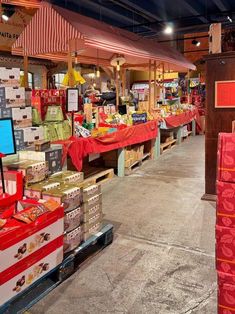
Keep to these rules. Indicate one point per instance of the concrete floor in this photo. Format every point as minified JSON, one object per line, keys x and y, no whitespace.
{"x":162,"y":258}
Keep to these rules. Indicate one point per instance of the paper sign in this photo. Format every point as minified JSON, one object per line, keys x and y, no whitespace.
{"x":72,"y":100}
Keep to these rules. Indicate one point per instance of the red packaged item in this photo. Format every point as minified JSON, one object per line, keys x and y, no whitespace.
{"x":226,"y":157}
{"x":26,"y":272}
{"x":19,"y":239}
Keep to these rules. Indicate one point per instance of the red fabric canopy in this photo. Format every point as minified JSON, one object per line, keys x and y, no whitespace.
{"x":78,"y":148}
{"x":54,"y":30}
{"x":183,"y":118}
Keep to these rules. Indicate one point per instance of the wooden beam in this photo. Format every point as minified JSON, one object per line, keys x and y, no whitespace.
{"x":140,"y":65}
{"x":23,"y":3}
{"x":150,"y":68}
{"x":123,"y":81}
{"x":117,"y":90}
{"x":155,"y":82}
{"x":70,"y":70}
{"x":26,"y":70}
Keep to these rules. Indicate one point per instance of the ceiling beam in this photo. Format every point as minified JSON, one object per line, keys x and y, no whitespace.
{"x":23,"y":3}
{"x":220,"y":5}
{"x":193,"y":10}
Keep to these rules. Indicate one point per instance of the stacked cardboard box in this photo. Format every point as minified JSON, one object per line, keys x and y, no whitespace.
{"x":132,"y":154}
{"x":225,"y":224}
{"x":15,"y":103}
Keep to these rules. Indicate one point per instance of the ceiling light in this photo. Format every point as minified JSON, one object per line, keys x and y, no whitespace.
{"x":168,"y":30}
{"x":196,"y":42}
{"x":229,"y":18}
{"x":98,"y":72}
{"x":5,"y":17}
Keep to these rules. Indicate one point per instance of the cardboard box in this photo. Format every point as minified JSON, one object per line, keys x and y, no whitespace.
{"x":2,"y":97}
{"x":93,"y":211}
{"x":41,"y":145}
{"x":68,"y":177}
{"x":9,"y":77}
{"x":53,"y":157}
{"x":92,"y":231}
{"x":225,"y":198}
{"x":19,"y":139}
{"x":22,"y":117}
{"x":226,"y":293}
{"x":19,"y":240}
{"x":5,"y":112}
{"x":226,"y":157}
{"x":33,"y":171}
{"x":92,"y":221}
{"x":34,"y":191}
{"x":26,"y":272}
{"x":68,"y":195}
{"x":15,"y":97}
{"x":90,"y":191}
{"x":72,"y":239}
{"x":225,"y":253}
{"x":91,"y":202}
{"x":72,"y":219}
{"x":32,"y":134}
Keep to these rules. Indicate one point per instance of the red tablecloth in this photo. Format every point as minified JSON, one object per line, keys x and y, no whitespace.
{"x":183,"y":118}
{"x":78,"y":148}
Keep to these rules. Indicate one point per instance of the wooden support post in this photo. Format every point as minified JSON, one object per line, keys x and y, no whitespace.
{"x":179,"y":135}
{"x":123,"y":81}
{"x":117,"y":90}
{"x":155,"y":86}
{"x":26,"y":70}
{"x":121,"y":162}
{"x":193,"y":128}
{"x":70,"y":70}
{"x":150,"y":68}
{"x":44,"y":78}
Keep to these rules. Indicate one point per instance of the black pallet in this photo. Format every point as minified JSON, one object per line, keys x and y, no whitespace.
{"x":50,"y":281}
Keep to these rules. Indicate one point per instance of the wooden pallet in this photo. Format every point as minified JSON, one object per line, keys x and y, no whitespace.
{"x":167,"y":145}
{"x":55,"y":277}
{"x":137,"y":164}
{"x":99,"y":175}
{"x":185,"y":137}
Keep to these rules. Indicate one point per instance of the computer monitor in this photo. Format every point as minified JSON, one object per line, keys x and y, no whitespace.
{"x":7,"y":137}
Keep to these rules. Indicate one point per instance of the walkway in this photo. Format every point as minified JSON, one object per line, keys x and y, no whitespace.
{"x":162,"y":258}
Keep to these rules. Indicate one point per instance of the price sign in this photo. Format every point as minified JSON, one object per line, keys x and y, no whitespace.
{"x":72,"y":100}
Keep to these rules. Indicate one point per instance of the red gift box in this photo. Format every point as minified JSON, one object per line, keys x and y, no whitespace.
{"x":225,"y":198}
{"x":226,"y":293}
{"x":226,"y":157}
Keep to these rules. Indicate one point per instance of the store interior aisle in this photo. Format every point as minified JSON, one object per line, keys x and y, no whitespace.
{"x":162,"y":257}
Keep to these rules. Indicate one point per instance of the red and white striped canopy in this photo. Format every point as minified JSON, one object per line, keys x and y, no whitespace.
{"x":54,"y":31}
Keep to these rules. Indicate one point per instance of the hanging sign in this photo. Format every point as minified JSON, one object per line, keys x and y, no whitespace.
{"x":225,"y":94}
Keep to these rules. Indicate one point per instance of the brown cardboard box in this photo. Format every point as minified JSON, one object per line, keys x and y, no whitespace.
{"x":72,"y":239}
{"x":91,"y":202}
{"x":68,"y":195}
{"x":91,"y":231}
{"x":94,"y":210}
{"x":68,"y":177}
{"x":91,"y":191}
{"x":72,"y":219}
{"x":34,"y":191}
{"x":33,"y":171}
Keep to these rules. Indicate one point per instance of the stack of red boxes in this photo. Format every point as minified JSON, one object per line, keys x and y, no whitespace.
{"x":225,"y":224}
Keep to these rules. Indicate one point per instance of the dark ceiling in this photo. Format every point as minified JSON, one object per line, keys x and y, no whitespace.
{"x":148,"y":17}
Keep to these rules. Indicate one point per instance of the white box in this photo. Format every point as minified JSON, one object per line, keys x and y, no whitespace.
{"x":22,"y":117}
{"x":15,"y":97}
{"x":9,"y":77}
{"x":27,"y":275}
{"x":33,"y":134}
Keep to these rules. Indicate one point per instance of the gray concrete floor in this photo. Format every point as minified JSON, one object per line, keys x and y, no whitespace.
{"x":162,"y":257}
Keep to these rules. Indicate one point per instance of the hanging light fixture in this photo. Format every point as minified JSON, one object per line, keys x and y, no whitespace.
{"x":117,"y":62}
{"x":196,"y":42}
{"x":5,"y":17}
{"x":97,"y":69}
{"x":98,"y":72}
{"x":168,"y":29}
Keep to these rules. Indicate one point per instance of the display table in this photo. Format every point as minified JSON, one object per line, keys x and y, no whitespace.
{"x":177,"y":122}
{"x":79,"y":148}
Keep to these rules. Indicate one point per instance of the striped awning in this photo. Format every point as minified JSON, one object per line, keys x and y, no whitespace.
{"x":54,"y":31}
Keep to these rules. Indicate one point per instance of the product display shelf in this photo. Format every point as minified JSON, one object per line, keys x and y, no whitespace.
{"x":50,"y":281}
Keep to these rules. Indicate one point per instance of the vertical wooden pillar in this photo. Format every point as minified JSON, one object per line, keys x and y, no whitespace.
{"x":123,"y":81}
{"x":117,"y":89}
{"x":155,"y":87}
{"x":70,"y":69}
{"x":44,"y":78}
{"x":26,"y":70}
{"x":150,"y":68}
